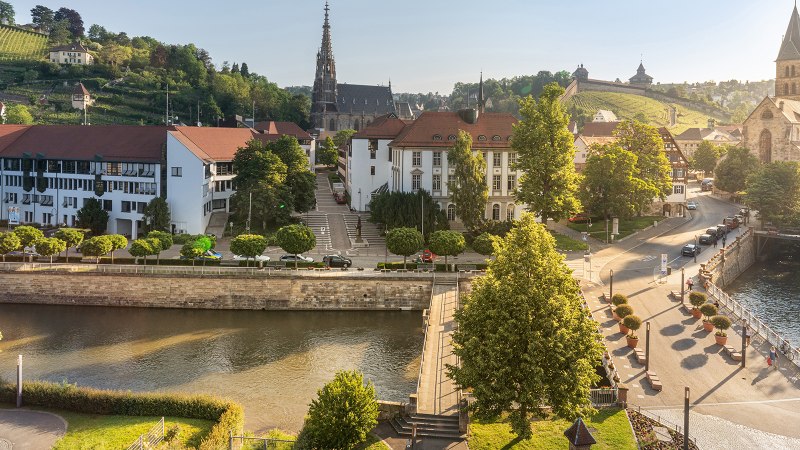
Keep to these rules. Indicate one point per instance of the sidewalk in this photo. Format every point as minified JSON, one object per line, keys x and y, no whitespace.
{"x":26,"y":429}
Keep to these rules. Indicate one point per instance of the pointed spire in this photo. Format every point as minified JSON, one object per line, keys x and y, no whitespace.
{"x":791,"y":40}
{"x":480,"y":94}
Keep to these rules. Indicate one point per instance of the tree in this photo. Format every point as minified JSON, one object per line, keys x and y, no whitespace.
{"x":404,"y":241}
{"x":447,"y":243}
{"x":97,"y":247}
{"x":192,"y":250}
{"x":42,"y":17}
{"x":73,"y":18}
{"x":142,"y":248}
{"x":248,"y":245}
{"x":93,"y":216}
{"x":526,"y":344}
{"x":18,"y":114}
{"x":468,"y":190}
{"x":296,"y":239}
{"x":8,"y":243}
{"x":342,"y":137}
{"x":774,"y":190}
{"x":157,"y":215}
{"x":342,"y":415}
{"x":116,"y":55}
{"x":546,"y":154}
{"x":245,"y":71}
{"x":27,"y":235}
{"x":6,"y":13}
{"x":50,"y":247}
{"x":261,"y":174}
{"x":408,"y":209}
{"x":300,"y":183}
{"x":732,"y":172}
{"x":484,"y":244}
{"x":652,"y":165}
{"x":71,"y":236}
{"x":609,"y":187}
{"x":164,"y":243}
{"x":118,"y":242}
{"x":706,"y":157}
{"x":328,"y":154}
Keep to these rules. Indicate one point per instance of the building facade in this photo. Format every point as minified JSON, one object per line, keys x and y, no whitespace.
{"x":690,"y":140}
{"x":72,"y":54}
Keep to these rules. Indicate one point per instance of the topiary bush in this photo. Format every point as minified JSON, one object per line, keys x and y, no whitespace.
{"x":624,"y":311}
{"x":721,"y":323}
{"x":483,"y":244}
{"x":697,"y":299}
{"x":619,"y":299}
{"x":632,"y":322}
{"x":708,"y":310}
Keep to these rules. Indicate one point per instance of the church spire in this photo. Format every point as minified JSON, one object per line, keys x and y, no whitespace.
{"x":481,"y":101}
{"x":790,"y":48}
{"x":323,"y":96}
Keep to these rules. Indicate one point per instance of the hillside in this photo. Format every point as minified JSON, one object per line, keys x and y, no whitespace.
{"x":630,"y":106}
{"x":19,"y":44}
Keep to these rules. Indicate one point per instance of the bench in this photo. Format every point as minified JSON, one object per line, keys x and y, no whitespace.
{"x":640,"y":356}
{"x":675,"y":294}
{"x":735,"y":355}
{"x":655,"y":382}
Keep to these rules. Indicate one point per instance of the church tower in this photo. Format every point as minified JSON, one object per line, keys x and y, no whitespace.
{"x":787,"y":78}
{"x":323,"y":97}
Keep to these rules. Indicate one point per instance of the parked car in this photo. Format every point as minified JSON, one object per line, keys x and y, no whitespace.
{"x":707,"y":184}
{"x":259,"y":258}
{"x":722,"y":230}
{"x":691,"y":204}
{"x":299,"y":258}
{"x":427,"y":256}
{"x":690,"y":250}
{"x":708,"y":239}
{"x":731,"y":222}
{"x":739,"y":218}
{"x":714,"y":231}
{"x":337,"y":261}
{"x":580,"y":218}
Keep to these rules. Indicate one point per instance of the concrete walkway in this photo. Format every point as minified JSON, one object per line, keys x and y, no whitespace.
{"x":30,"y":430}
{"x":437,"y":394}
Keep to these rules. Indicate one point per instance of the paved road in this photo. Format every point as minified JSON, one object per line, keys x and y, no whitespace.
{"x":30,"y":430}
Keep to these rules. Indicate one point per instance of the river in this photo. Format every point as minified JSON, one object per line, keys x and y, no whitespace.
{"x":272,"y":362}
{"x":771,"y":290}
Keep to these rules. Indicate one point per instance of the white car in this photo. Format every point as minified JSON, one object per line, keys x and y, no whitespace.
{"x":691,"y":204}
{"x":259,"y":258}
{"x":299,"y":258}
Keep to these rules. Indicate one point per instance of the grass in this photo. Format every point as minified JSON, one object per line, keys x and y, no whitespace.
{"x":373,"y":442}
{"x":610,"y":427}
{"x":87,"y":431}
{"x":626,"y":226}
{"x":18,"y":44}
{"x":567,"y":244}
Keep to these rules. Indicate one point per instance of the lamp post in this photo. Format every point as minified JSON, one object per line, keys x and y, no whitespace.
{"x":744,"y":342}
{"x":359,"y":199}
{"x":695,"y":248}
{"x":686,"y":418}
{"x":683,"y":274}
{"x":647,"y":348}
{"x":611,"y":287}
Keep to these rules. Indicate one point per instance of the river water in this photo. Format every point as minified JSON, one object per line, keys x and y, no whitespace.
{"x":272,"y":362}
{"x":771,"y":290}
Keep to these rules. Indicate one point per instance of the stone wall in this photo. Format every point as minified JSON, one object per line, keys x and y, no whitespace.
{"x":241,"y":292}
{"x":731,"y":261}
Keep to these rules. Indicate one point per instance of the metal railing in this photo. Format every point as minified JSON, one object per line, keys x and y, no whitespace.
{"x":604,"y":396}
{"x":425,"y":334}
{"x":756,"y":326}
{"x":666,"y":423}
{"x":150,"y":439}
{"x":254,"y":443}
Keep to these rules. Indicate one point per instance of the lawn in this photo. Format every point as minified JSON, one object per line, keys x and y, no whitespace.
{"x":610,"y":427}
{"x":567,"y":244}
{"x":626,"y":226}
{"x":373,"y":442}
{"x":87,"y":431}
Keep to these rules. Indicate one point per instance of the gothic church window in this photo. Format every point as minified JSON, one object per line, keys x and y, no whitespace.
{"x":333,"y":125}
{"x":787,"y":71}
{"x":767,"y":114}
{"x":765,"y":146}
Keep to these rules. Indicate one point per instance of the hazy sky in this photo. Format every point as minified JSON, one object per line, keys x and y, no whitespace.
{"x":428,"y":45}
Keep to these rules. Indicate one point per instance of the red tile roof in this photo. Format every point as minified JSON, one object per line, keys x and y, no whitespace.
{"x":384,"y":127}
{"x":599,"y":128}
{"x":282,"y":128}
{"x":80,"y":89}
{"x":213,"y":144}
{"x":421,"y":132}
{"x":111,"y":142}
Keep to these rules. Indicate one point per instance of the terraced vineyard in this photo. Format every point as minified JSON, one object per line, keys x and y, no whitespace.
{"x":628,"y":106}
{"x":18,"y":44}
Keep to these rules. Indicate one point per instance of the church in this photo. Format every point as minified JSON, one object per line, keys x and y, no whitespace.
{"x":341,"y":106}
{"x":772,"y":131}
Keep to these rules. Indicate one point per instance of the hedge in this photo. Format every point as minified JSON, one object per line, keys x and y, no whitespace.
{"x":439,"y":267}
{"x":227,"y":415}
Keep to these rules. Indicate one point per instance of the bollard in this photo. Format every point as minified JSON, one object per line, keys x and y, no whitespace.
{"x":19,"y":381}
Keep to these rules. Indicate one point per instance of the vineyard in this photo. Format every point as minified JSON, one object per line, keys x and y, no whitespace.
{"x":630,"y":106}
{"x":17,"y":44}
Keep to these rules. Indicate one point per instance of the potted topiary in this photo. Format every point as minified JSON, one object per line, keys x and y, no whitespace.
{"x":619,"y":299}
{"x":721,"y":323}
{"x":697,"y":299}
{"x":622,"y":312}
{"x":708,"y":310}
{"x":633,"y":323}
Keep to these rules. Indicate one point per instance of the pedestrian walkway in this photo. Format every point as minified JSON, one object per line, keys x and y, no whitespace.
{"x":318,"y":222}
{"x":436,"y":393}
{"x":30,"y":430}
{"x":326,"y":221}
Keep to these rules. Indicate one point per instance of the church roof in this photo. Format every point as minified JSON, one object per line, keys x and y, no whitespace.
{"x":364,"y":99}
{"x":384,"y":127}
{"x":791,"y":40}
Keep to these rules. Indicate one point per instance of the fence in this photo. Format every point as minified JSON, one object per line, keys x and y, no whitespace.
{"x":604,"y":397}
{"x":756,"y":326}
{"x":151,"y":438}
{"x":253,"y":443}
{"x":666,"y":423}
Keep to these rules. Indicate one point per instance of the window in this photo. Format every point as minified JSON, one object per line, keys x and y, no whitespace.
{"x":437,"y":137}
{"x":112,"y":169}
{"x":792,"y":70}
{"x":373,"y":148}
{"x":107,"y":205}
{"x":126,"y":207}
{"x":794,"y":88}
{"x":415,"y":182}
{"x":678,"y":189}
{"x":495,"y":212}
{"x":177,"y":171}
{"x":451,"y":181}
{"x":84,"y":167}
{"x":437,"y":159}
{"x":510,"y":212}
{"x":416,"y":159}
{"x":451,"y":212}
{"x":497,"y":159}
{"x":512,"y":182}
{"x":512,"y":159}
{"x":481,"y":137}
{"x":677,"y":173}
{"x":452,"y":137}
{"x":787,"y":71}
{"x":140,"y":207}
{"x":496,"y":183}
{"x":372,"y":170}
{"x":496,"y":138}
{"x":437,"y":183}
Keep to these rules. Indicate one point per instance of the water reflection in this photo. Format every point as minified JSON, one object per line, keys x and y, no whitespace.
{"x":271,"y":362}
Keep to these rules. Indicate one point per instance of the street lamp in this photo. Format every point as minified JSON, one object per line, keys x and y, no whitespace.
{"x":611,"y":288}
{"x":695,"y":248}
{"x":359,"y":199}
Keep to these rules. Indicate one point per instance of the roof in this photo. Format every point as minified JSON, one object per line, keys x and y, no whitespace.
{"x":111,"y":142}
{"x":791,"y":40}
{"x":791,"y":108}
{"x":213,"y":144}
{"x":364,"y":99}
{"x":495,"y":128}
{"x":692,"y":134}
{"x":599,"y":128}
{"x":384,"y":127}
{"x":579,"y":435}
{"x":74,"y":47}
{"x":80,"y":89}
{"x":597,"y":140}
{"x":282,"y":128}
{"x":607,"y":116}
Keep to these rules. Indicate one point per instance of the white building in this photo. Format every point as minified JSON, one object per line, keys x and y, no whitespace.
{"x":604,"y":115}
{"x":50,"y":171}
{"x":583,"y":148}
{"x":72,"y":54}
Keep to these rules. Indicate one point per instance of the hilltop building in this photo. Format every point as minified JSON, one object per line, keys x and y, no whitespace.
{"x":81,"y":99}
{"x":641,"y":78}
{"x":340,"y":106}
{"x":72,"y":54}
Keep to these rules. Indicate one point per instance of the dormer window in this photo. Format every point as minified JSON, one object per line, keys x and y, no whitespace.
{"x":496,"y":138}
{"x":452,"y":137}
{"x":481,"y":137}
{"x":437,"y":137}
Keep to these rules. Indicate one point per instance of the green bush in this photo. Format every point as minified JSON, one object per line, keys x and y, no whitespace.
{"x":697,"y":299}
{"x":483,"y":244}
{"x":632,"y":322}
{"x":721,"y":323}
{"x":708,"y":310}
{"x":623,"y":311}
{"x":619,"y":299}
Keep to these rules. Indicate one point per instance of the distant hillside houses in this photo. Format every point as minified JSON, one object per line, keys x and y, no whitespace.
{"x":71,"y":54}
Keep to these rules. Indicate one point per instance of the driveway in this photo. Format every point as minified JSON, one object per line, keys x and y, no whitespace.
{"x":34,"y":430}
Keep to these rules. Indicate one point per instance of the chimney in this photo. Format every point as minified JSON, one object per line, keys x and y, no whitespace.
{"x":780,"y":105}
{"x":711,"y":123}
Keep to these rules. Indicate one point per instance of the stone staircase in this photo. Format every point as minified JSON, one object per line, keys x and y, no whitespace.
{"x":428,"y":425}
{"x":369,"y":231}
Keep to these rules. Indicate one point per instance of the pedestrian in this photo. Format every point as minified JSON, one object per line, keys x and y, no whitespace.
{"x":747,"y":335}
{"x":723,"y":241}
{"x":690,"y":284}
{"x":772,"y":359}
{"x":715,"y":242}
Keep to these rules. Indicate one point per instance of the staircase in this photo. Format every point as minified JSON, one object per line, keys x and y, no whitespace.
{"x":428,"y":425}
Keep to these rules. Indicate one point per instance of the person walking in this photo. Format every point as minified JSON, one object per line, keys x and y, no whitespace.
{"x":772,"y":360}
{"x":715,"y":242}
{"x":723,"y":241}
{"x":690,"y":284}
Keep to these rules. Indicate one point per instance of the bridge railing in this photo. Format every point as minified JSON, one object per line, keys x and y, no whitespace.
{"x":425,"y":334}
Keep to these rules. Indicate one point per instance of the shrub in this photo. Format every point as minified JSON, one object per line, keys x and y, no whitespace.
{"x":708,"y":310}
{"x":623,"y":311}
{"x":483,"y":244}
{"x":634,"y":323}
{"x":697,"y":299}
{"x":619,"y":299}
{"x":721,"y":323}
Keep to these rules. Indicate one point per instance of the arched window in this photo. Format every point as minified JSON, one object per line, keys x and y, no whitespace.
{"x":333,"y":125}
{"x":452,"y":137}
{"x":787,"y":71}
{"x":785,"y":88}
{"x":355,"y":126}
{"x":451,"y":212}
{"x":794,"y":88}
{"x":495,"y":212}
{"x":765,"y":146}
{"x":481,"y":137}
{"x":510,"y":212}
{"x":792,"y":70}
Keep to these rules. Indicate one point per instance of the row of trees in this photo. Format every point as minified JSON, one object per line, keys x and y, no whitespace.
{"x":27,"y":237}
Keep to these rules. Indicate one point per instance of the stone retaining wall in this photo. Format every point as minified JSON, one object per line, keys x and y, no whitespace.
{"x":248,"y":293}
{"x":731,"y":261}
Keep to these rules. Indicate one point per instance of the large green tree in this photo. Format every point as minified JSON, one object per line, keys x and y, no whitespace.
{"x":9,"y":242}
{"x":18,"y":114}
{"x":447,"y":243}
{"x":652,"y":165}
{"x":248,"y":245}
{"x":527,"y":345}
{"x":610,"y":187}
{"x":93,"y":216}
{"x":408,"y":209}
{"x":342,"y":415}
{"x":300,"y":181}
{"x":342,"y":137}
{"x":27,"y":235}
{"x":706,"y":157}
{"x":260,"y":186}
{"x":97,"y":247}
{"x":546,"y":155}
{"x":71,"y":236}
{"x":165,"y":242}
{"x":732,"y":172}
{"x":296,"y":239}
{"x":142,"y":248}
{"x":404,"y":241}
{"x":327,"y":153}
{"x":774,"y":190}
{"x":484,"y":244}
{"x":468,"y":190}
{"x":157,"y":216}
{"x":7,"y":12}
{"x":42,"y":17}
{"x":50,"y":247}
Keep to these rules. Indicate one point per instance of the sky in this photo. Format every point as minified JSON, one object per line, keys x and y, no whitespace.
{"x":428,"y":46}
